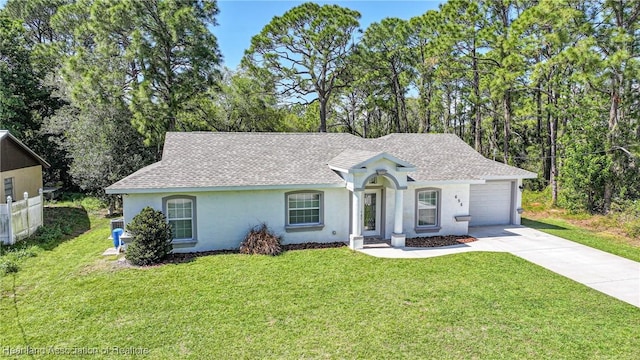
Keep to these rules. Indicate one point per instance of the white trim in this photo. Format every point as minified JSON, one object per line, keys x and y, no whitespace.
{"x":194,"y":226}
{"x":360,"y":167}
{"x":511,"y":177}
{"x":437,"y":207}
{"x":377,"y":210}
{"x":320,"y":208}
{"x":419,"y":183}
{"x":223,"y":188}
{"x":427,"y":183}
{"x":348,"y":171}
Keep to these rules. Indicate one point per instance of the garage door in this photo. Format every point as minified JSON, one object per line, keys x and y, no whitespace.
{"x":490,"y":203}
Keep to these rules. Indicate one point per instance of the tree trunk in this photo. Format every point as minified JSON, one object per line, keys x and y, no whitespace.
{"x":507,"y":124}
{"x":425,"y":100}
{"x":323,"y":115}
{"x":365,"y":125}
{"x":540,"y":136}
{"x":397,"y":99}
{"x":611,"y":142}
{"x":403,"y":108}
{"x":553,"y":132}
{"x":477,"y":124}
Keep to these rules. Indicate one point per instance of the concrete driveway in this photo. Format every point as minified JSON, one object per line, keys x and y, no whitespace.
{"x":607,"y":273}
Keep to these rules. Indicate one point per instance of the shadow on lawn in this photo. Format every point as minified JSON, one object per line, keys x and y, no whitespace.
{"x":541,"y":225}
{"x":60,"y":225}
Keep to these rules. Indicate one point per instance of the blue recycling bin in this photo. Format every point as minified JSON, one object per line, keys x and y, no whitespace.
{"x":116,"y":233}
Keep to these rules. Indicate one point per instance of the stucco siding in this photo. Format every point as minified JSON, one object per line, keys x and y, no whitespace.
{"x":28,"y":179}
{"x":454,"y":201}
{"x":223,"y":218}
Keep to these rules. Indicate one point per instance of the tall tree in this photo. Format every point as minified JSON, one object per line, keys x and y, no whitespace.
{"x":305,"y":50}
{"x":177,"y":57}
{"x":385,"y":51}
{"x":465,"y":22}
{"x":243,"y":103}
{"x":158,"y":55}
{"x":25,"y":100}
{"x":425,"y":31}
{"x":616,"y":38}
{"x":116,"y":148}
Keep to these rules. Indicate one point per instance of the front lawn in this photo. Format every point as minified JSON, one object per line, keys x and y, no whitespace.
{"x":330,"y":303}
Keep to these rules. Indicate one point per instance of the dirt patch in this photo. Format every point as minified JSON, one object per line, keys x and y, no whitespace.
{"x":437,"y":241}
{"x":106,"y":265}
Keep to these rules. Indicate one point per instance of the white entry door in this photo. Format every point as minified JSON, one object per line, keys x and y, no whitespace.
{"x":372,"y":203}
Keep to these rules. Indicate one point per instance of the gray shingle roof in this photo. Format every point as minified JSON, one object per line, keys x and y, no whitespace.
{"x":350,"y":158}
{"x":215,"y":160}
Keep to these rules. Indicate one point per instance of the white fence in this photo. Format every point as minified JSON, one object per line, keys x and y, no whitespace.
{"x":20,"y":219}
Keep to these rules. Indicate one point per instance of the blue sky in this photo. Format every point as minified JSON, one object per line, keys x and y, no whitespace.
{"x":239,"y":20}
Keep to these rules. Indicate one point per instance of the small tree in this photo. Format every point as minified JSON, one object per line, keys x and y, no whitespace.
{"x":151,"y":238}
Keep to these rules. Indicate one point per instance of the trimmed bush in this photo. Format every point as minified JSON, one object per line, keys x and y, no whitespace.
{"x":151,"y":238}
{"x":261,"y":241}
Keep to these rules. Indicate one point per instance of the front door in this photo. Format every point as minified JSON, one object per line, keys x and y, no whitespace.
{"x":372,"y":212}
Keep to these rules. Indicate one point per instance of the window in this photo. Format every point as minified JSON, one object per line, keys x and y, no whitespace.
{"x":180,"y":212}
{"x":304,"y":209}
{"x":427,"y":209}
{"x":8,"y":188}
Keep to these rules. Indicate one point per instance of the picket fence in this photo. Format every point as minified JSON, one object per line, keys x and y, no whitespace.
{"x":20,"y":219}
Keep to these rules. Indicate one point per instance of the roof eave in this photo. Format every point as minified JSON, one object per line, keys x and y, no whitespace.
{"x":529,"y":175}
{"x":418,"y":183}
{"x":26,"y":148}
{"x":114,"y":191}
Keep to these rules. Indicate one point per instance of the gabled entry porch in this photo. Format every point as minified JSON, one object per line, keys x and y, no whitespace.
{"x":369,"y":175}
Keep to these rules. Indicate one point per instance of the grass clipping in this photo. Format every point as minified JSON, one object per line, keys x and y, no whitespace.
{"x":261,"y":241}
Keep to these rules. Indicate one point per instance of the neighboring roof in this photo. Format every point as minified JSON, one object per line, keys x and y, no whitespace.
{"x":6,"y":134}
{"x":198,"y":160}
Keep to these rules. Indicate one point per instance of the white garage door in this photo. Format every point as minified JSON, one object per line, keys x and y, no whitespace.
{"x":490,"y":203}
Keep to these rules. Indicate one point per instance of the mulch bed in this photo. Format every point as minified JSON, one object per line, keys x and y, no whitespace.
{"x":186,"y":257}
{"x":313,"y":245}
{"x":437,"y":241}
{"x":178,"y":258}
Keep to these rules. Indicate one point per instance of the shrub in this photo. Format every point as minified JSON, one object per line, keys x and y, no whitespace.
{"x":261,"y":241}
{"x":633,"y":228}
{"x":92,"y":203}
{"x":151,"y":238}
{"x":8,"y":266}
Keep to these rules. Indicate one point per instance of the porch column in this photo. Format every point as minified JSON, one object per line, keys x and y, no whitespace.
{"x":356,"y":240}
{"x":398,"y":237}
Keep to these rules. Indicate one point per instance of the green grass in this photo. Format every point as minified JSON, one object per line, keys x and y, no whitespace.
{"x":331,"y":303}
{"x":613,"y":233}
{"x":609,"y":243}
{"x":537,"y":200}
